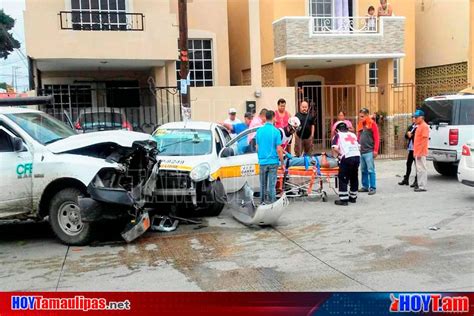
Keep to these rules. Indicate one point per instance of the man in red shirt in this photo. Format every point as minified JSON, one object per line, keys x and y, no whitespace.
{"x":420,"y":150}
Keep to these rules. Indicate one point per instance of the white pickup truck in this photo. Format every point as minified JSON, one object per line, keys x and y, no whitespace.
{"x":451,"y":120}
{"x":45,"y":166}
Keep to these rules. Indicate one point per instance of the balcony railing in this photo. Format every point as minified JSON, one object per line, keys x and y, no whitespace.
{"x":91,"y":20}
{"x":344,"y":25}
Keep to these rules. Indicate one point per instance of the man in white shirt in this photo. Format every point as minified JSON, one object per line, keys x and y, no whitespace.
{"x":232,"y":119}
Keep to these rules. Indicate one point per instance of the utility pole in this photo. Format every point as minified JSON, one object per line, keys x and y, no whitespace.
{"x":184,"y":58}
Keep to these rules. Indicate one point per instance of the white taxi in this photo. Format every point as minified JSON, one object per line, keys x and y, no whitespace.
{"x":201,"y":164}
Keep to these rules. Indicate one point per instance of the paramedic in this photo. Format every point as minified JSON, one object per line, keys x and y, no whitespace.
{"x":346,"y":148}
{"x":288,"y":132}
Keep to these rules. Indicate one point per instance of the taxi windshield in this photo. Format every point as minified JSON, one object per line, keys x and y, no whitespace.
{"x":41,"y":127}
{"x":183,"y":142}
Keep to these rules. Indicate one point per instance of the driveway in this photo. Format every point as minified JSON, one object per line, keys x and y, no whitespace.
{"x":382,"y":243}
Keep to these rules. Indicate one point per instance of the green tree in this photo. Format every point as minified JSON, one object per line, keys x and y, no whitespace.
{"x":7,"y":42}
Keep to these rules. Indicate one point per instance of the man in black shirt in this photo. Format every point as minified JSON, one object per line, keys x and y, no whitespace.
{"x":304,"y":136}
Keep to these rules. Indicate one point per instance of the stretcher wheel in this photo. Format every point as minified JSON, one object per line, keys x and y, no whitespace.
{"x":324,"y":197}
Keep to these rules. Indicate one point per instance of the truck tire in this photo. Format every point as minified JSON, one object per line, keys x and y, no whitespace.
{"x":218,"y":199}
{"x":446,"y":168}
{"x":65,"y":218}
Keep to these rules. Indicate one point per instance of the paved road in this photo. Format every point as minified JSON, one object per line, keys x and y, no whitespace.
{"x":382,"y":243}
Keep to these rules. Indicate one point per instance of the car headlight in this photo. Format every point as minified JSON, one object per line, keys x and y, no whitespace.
{"x":200,"y":172}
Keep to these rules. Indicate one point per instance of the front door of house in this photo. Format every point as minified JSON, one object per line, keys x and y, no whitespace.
{"x":311,"y":91}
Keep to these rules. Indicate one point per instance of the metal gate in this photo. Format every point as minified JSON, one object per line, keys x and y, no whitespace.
{"x":132,"y":108}
{"x":390,"y":105}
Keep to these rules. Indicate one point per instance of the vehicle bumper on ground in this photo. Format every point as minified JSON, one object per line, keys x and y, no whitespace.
{"x":441,"y":155}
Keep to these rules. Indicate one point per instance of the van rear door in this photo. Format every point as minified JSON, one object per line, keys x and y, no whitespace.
{"x":439,"y":114}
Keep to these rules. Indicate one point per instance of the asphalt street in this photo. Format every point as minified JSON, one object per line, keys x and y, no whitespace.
{"x":382,"y":243}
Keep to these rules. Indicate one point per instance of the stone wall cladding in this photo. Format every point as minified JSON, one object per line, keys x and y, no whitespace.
{"x":291,"y":37}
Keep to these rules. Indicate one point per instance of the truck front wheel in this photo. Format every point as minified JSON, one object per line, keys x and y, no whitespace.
{"x":65,"y":218}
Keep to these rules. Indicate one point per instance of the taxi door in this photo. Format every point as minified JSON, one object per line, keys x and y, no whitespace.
{"x":239,"y":163}
{"x":16,"y":172}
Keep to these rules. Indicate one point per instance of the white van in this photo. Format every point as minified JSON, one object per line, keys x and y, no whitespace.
{"x":451,"y":120}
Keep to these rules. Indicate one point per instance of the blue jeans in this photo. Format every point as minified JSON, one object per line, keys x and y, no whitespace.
{"x":268,"y":178}
{"x":367,"y":168}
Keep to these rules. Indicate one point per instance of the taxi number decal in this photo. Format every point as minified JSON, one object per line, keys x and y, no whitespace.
{"x":247,"y":170}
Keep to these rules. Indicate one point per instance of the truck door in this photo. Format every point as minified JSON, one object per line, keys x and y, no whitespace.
{"x":16,"y":172}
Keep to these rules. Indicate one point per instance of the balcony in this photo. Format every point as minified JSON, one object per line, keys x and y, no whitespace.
{"x":60,"y":39}
{"x":327,"y":42}
{"x":92,"y":20}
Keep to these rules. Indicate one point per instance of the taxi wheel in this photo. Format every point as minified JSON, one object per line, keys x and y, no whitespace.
{"x":218,"y":200}
{"x":65,"y":218}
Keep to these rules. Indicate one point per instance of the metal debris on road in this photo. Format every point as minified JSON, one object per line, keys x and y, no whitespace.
{"x":435,"y":228}
{"x":166,"y":224}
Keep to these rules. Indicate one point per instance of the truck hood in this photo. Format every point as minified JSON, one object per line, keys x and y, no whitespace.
{"x":121,"y":138}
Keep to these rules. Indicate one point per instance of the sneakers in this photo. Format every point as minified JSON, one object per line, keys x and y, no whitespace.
{"x":363,"y":190}
{"x":341,"y":203}
{"x":372,"y":191}
{"x":419,"y":190}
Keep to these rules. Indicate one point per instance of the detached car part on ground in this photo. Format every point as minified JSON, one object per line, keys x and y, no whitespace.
{"x":45,"y":169}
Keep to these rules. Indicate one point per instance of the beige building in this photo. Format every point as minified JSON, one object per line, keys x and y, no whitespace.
{"x":444,"y":46}
{"x":329,"y":53}
{"x":115,"y":53}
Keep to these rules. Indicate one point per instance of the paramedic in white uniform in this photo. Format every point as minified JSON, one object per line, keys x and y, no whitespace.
{"x":346,"y":148}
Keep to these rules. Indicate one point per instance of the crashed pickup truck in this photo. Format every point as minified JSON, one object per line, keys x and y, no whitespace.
{"x":46,"y":169}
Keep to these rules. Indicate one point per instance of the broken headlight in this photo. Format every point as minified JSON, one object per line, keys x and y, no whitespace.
{"x":200,"y":172}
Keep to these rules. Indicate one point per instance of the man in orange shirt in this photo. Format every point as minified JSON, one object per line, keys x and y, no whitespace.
{"x":420,"y":150}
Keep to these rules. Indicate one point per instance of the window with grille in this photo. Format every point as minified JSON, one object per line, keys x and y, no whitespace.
{"x":373,"y":74}
{"x":396,"y":71}
{"x":321,"y":8}
{"x":200,"y":63}
{"x":99,"y":14}
{"x":71,"y":98}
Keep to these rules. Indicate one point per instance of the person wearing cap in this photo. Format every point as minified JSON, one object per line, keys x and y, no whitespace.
{"x":270,"y":156}
{"x":369,"y":140}
{"x":346,"y":148}
{"x":232,"y":119}
{"x":410,"y":136}
{"x":288,"y":132}
{"x":281,"y":115}
{"x":420,"y":150}
{"x":243,"y":145}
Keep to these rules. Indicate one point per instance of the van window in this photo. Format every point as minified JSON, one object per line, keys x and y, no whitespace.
{"x":5,"y":142}
{"x":438,"y":111}
{"x":466,"y":112}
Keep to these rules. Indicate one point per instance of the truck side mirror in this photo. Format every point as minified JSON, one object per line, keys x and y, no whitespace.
{"x":18,"y":145}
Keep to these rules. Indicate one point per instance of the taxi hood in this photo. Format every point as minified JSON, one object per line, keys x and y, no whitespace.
{"x":121,"y":138}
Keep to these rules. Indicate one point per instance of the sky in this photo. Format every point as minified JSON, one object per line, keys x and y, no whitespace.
{"x":15,"y":8}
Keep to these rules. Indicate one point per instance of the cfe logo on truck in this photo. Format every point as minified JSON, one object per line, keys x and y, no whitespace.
{"x":436,"y":303}
{"x":24,"y":170}
{"x":76,"y":303}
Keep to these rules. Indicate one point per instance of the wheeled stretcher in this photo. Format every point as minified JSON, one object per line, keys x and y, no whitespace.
{"x":308,"y":180}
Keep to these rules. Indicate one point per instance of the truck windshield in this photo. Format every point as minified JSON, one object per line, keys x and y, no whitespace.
{"x":183,"y":142}
{"x":41,"y":127}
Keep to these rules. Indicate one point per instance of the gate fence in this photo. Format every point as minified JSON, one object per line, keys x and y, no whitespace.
{"x":132,"y":108}
{"x":391,"y":105}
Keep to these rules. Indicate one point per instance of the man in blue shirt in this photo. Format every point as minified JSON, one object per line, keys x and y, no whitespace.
{"x":237,"y":128}
{"x":270,"y":156}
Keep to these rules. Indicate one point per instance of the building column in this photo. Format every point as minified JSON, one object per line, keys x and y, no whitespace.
{"x":255,"y":54}
{"x":279,"y":74}
{"x":471,"y":45}
{"x":385,"y":98}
